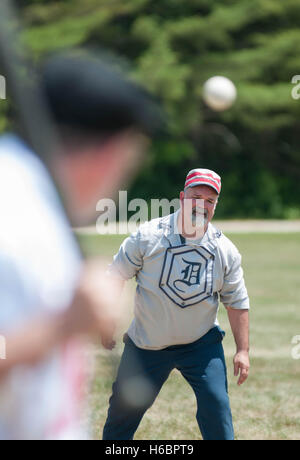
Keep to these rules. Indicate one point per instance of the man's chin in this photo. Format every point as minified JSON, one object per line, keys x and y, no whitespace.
{"x":197,"y":232}
{"x":83,"y":217}
{"x":199,"y":220}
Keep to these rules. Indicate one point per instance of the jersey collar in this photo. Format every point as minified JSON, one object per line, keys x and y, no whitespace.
{"x":169,"y":226}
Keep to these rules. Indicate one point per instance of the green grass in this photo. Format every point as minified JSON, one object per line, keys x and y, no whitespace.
{"x":267,"y":406}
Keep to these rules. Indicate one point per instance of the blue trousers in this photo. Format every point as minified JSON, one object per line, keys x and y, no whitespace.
{"x":142,"y":374}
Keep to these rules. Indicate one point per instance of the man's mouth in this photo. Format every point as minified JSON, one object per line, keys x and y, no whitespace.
{"x":199,"y":214}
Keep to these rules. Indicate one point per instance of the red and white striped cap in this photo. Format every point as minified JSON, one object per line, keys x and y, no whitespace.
{"x":203,"y":177}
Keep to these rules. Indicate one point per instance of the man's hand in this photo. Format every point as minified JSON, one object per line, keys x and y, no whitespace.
{"x":241,"y":364}
{"x":96,"y":307}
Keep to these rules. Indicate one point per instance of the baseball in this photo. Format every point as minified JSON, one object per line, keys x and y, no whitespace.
{"x":219,"y":93}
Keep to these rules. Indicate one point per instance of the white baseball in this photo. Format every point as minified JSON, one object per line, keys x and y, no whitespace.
{"x":219,"y":93}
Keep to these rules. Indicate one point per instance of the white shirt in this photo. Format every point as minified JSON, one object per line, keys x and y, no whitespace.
{"x":39,"y":268}
{"x":178,"y":285}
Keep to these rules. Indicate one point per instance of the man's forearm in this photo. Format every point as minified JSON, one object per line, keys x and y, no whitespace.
{"x":239,"y":322}
{"x":32,"y":343}
{"x":90,"y":314}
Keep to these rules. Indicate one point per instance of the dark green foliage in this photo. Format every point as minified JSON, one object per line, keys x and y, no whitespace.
{"x":173,"y":47}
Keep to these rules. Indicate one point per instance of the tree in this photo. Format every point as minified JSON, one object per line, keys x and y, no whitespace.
{"x":173,"y":47}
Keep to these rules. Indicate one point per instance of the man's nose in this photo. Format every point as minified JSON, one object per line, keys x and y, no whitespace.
{"x":200,"y":204}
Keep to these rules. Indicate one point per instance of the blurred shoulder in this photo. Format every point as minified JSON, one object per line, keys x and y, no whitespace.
{"x":17,"y":159}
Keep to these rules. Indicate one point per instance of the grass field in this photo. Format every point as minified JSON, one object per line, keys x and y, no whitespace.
{"x":267,"y":406}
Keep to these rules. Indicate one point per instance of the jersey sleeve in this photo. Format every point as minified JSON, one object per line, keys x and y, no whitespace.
{"x":234,"y":293}
{"x":129,"y":260}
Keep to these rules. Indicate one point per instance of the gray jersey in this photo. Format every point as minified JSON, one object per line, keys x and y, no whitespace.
{"x":178,"y":285}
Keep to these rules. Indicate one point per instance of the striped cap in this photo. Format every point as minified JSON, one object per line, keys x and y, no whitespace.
{"x":203,"y":177}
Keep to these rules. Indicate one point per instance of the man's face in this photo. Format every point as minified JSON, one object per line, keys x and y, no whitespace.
{"x":99,"y":171}
{"x":201,"y":202}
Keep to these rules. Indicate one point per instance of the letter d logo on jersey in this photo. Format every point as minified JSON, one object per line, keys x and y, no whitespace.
{"x":187,"y":275}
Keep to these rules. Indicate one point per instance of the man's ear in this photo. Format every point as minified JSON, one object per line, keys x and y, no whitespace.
{"x":181,"y":196}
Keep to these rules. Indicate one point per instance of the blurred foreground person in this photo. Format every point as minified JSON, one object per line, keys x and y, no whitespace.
{"x":49,"y":298}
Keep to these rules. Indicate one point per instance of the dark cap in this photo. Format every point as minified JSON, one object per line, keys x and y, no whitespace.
{"x":87,"y":94}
